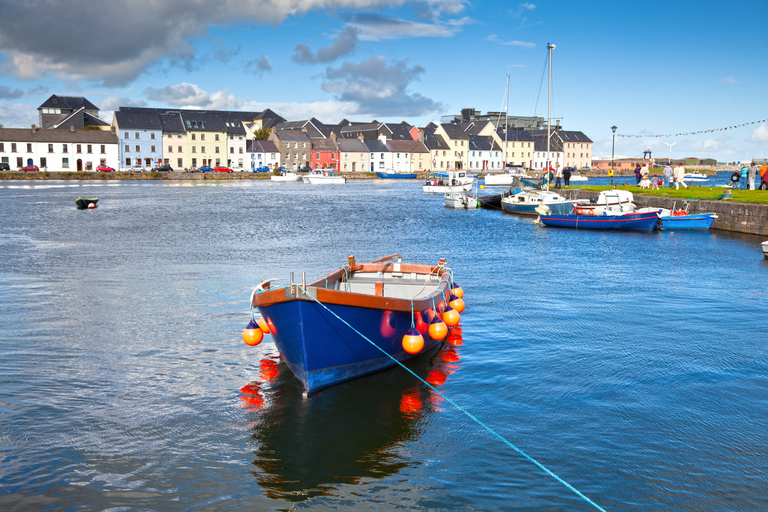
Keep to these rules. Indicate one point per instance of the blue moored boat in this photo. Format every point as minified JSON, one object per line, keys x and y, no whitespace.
{"x":312,"y":324}
{"x":632,"y":221}
{"x":692,"y":222}
{"x":396,"y":175}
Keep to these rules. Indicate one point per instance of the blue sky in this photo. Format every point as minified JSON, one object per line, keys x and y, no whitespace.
{"x":652,"y":68}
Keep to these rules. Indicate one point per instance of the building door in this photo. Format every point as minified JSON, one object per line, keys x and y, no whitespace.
{"x":79,"y":164}
{"x":30,"y":162}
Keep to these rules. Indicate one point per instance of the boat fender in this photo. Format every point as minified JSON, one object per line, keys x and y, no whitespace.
{"x":579,"y":211}
{"x":591,"y":212}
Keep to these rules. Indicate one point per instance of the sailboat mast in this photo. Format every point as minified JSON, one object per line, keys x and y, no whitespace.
{"x":550,"y":47}
{"x":506,"y":124}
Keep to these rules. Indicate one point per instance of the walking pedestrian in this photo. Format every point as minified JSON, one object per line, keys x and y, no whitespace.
{"x":679,"y":174}
{"x":567,"y":176}
{"x":638,"y":174}
{"x":667,"y":176}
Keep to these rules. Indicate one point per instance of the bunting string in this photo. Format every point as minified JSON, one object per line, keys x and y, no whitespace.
{"x":668,"y":135}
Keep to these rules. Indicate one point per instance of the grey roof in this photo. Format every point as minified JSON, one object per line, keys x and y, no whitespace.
{"x":73,"y":102}
{"x":79,"y":119}
{"x":455,"y":131}
{"x":137,"y":120}
{"x":41,"y":135}
{"x":515,"y":134}
{"x":483,"y":143}
{"x":376,"y":146}
{"x":352,"y":146}
{"x":573,"y":136}
{"x":323,"y":145}
{"x":313,"y":127}
{"x":434,"y":141}
{"x":172,"y":122}
{"x":260,"y":146}
{"x":291,"y":135}
{"x":407,"y":146}
{"x":399,"y":131}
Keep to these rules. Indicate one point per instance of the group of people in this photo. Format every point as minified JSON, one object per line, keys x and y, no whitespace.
{"x":744,"y":178}
{"x":674,"y":176}
{"x":562,"y":174}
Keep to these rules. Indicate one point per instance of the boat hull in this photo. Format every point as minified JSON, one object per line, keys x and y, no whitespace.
{"x":325,"y":180}
{"x":286,"y":177}
{"x":460,"y":201}
{"x":395,"y":176}
{"x":317,"y":328}
{"x":563,"y":208}
{"x":696,"y":222}
{"x":82,"y":204}
{"x":444,"y":189}
{"x":764,"y":245}
{"x":646,"y":221}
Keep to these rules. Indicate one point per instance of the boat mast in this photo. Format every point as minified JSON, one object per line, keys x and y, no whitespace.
{"x":506,"y":124}
{"x":550,"y":47}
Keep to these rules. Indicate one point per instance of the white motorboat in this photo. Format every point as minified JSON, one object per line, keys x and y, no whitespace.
{"x":578,"y":177}
{"x":462,"y":200}
{"x":765,"y":248}
{"x":527,"y":200}
{"x":324,"y":177}
{"x":286,"y":176}
{"x":695,"y":177}
{"x":503,"y":179}
{"x":616,"y":201}
{"x":453,"y":181}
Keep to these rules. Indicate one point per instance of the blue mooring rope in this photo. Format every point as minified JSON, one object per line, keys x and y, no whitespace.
{"x":457,"y":406}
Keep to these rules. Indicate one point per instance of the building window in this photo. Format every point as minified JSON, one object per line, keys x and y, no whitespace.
{"x":194,"y":149}
{"x":65,"y":163}
{"x":43,"y":163}
{"x":127,"y":135}
{"x":287,"y":145}
{"x":103,"y":149}
{"x":152,"y":149}
{"x":241,"y":151}
{"x":127,"y":162}
{"x":303,"y":144}
{"x":202,"y":136}
{"x":179,"y":149}
{"x":231,"y":150}
{"x":89,"y":148}
{"x":296,"y":156}
{"x":178,"y":162}
{"x":216,"y":136}
{"x":272,"y":156}
{"x":29,"y":148}
{"x":202,"y":149}
{"x":317,"y":156}
{"x":217,"y":149}
{"x":13,"y":148}
{"x":170,"y":149}
{"x":138,"y":149}
{"x":127,"y":148}
{"x":193,"y":135}
{"x":137,"y":135}
{"x":79,"y":149}
{"x":50,"y":148}
{"x":152,"y":135}
{"x":194,"y":162}
{"x":295,"y":144}
{"x":287,"y":156}
{"x":19,"y":162}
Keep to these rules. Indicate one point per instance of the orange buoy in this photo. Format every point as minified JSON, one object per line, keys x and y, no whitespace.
{"x":579,"y":211}
{"x":252,"y":334}
{"x":272,"y":328}
{"x":451,"y":317}
{"x":437,"y":329}
{"x":413,"y":341}
{"x":456,"y":303}
{"x":591,"y":212}
{"x":457,"y":291}
{"x":263,"y":325}
{"x":388,"y":324}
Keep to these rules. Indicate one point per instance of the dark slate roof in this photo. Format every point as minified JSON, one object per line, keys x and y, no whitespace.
{"x":291,"y":135}
{"x":400,"y":131}
{"x":434,"y":141}
{"x":480,"y":143}
{"x":326,"y":145}
{"x":516,"y":134}
{"x":172,"y":122}
{"x":41,"y":135}
{"x":314,"y":128}
{"x":352,"y":146}
{"x":407,"y":146}
{"x":73,"y":102}
{"x":260,"y":146}
{"x":376,"y":146}
{"x":137,"y":120}
{"x":573,"y":136}
{"x":455,"y":131}
{"x":229,"y":121}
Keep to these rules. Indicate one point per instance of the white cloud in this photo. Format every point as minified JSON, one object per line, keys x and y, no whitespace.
{"x":760,"y":134}
{"x":17,"y":115}
{"x":376,"y":27}
{"x":521,"y":44}
{"x":730,"y":80}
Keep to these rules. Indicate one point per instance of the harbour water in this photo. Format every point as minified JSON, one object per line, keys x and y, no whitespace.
{"x":632,"y":365}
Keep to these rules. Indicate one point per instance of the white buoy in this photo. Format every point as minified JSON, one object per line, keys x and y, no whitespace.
{"x":91,"y":205}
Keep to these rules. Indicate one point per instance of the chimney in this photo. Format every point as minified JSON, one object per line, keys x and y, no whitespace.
{"x":383,"y":138}
{"x":72,"y":128}
{"x":333,"y":137}
{"x":421,"y":136}
{"x":360,"y":137}
{"x":34,"y":129}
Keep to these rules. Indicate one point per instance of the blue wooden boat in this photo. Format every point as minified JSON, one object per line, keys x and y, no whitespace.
{"x":312,"y":324}
{"x":693,"y":222}
{"x":634,"y":221}
{"x":396,"y":175}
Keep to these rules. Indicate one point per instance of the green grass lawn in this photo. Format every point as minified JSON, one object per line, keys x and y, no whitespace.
{"x":692,"y":192}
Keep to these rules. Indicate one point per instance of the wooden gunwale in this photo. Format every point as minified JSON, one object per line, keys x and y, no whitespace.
{"x":327,"y":296}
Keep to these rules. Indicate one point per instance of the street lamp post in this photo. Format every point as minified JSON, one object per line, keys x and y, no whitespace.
{"x":613,"y":148}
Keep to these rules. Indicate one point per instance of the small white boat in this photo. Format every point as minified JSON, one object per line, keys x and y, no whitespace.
{"x":695,"y":177}
{"x":765,"y":248}
{"x":616,"y":201}
{"x":462,"y":200}
{"x":324,"y":177}
{"x":503,"y":179}
{"x":453,"y":181}
{"x":526,"y":201}
{"x":578,"y":177}
{"x":286,"y":176}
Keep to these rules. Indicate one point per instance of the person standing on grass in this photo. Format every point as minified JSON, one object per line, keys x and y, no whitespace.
{"x":744,"y":171}
{"x":567,"y":176}
{"x":638,"y":174}
{"x":679,"y":174}
{"x":667,"y":176}
{"x":751,"y":173}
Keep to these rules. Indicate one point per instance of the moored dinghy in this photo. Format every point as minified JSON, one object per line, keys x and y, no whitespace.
{"x":358,"y":319}
{"x":629,"y":221}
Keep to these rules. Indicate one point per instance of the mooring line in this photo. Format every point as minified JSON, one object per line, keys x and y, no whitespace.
{"x":457,"y":406}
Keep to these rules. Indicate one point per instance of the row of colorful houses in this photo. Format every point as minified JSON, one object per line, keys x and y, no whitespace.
{"x":189,"y":139}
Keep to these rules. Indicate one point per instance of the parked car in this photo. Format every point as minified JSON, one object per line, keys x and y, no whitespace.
{"x":763,"y":181}
{"x":305,"y":169}
{"x":205,"y":168}
{"x":30,"y":168}
{"x":162,"y":168}
{"x":5,"y":166}
{"x":219,"y":168}
{"x":104,"y":168}
{"x":261,"y":169}
{"x":136,"y":168}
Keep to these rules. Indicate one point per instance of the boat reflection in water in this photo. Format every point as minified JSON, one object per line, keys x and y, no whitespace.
{"x":348,"y":432}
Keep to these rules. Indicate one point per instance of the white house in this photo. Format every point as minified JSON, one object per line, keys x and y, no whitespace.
{"x":541,"y":157}
{"x":484,"y":154}
{"x":381,"y":157}
{"x":58,"y":150}
{"x":262,"y":153}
